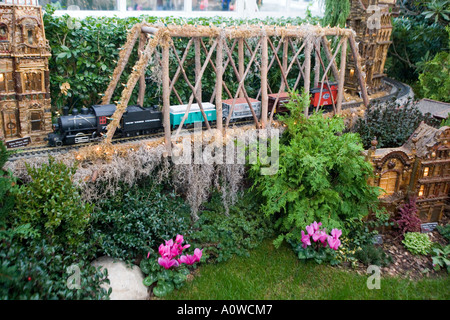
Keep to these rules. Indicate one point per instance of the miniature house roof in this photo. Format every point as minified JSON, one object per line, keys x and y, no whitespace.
{"x":424,"y":138}
{"x":438,"y":109}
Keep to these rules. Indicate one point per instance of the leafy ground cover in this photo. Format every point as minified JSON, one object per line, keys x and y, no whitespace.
{"x":271,"y":273}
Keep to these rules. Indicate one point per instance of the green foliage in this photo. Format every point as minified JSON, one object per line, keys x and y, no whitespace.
{"x":416,"y":39}
{"x":391,"y":124}
{"x":336,"y":12}
{"x":439,"y":10}
{"x":37,"y":270}
{"x":444,"y":231}
{"x":7,"y":182}
{"x":362,"y":232}
{"x":221,"y":236}
{"x":85,"y":53}
{"x":319,"y":256}
{"x":417,"y":243}
{"x":445,"y":122}
{"x":372,"y":255}
{"x":322,"y":175}
{"x":52,"y":205}
{"x":137,"y":219}
{"x":434,"y":78}
{"x":441,"y":258}
{"x":163,"y":281}
{"x":43,"y":236}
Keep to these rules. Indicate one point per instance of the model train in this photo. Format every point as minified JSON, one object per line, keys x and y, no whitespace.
{"x":90,"y":124}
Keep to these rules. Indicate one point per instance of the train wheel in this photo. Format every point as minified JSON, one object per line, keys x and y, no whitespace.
{"x":59,"y":143}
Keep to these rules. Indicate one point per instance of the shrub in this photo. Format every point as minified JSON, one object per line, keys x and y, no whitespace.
{"x":37,"y":270}
{"x":434,"y":77}
{"x":444,"y":231}
{"x":417,"y":243}
{"x":6,"y":186}
{"x":372,"y":255}
{"x":221,"y":235}
{"x":391,"y":124}
{"x":45,"y":235}
{"x":441,"y":258}
{"x":52,"y":205}
{"x":408,"y":221}
{"x":136,"y":219}
{"x":414,"y":39}
{"x":322,"y":175}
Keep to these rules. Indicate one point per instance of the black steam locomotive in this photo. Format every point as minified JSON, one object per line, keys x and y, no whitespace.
{"x":90,"y":124}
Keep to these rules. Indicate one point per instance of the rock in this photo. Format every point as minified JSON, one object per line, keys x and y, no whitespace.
{"x":126,"y":282}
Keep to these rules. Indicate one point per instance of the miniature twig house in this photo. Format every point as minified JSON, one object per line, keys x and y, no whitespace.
{"x":371,"y":20}
{"x":24,"y":75}
{"x":420,"y":168}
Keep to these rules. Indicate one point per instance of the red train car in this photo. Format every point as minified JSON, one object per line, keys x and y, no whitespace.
{"x":328,"y":97}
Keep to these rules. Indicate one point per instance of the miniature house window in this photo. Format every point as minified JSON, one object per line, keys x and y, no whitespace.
{"x":3,"y":32}
{"x":10,"y":123}
{"x":6,"y":82}
{"x":421,"y":190}
{"x":36,"y":120}
{"x":437,"y":171}
{"x":426,"y":171}
{"x":388,"y":182}
{"x":30,"y":36}
{"x":32,"y":81}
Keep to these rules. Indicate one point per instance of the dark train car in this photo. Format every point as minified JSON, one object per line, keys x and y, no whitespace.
{"x":91,"y":124}
{"x":137,"y":121}
{"x":283,"y":98}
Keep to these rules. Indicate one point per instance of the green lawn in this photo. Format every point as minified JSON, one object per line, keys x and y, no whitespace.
{"x":277,"y":274}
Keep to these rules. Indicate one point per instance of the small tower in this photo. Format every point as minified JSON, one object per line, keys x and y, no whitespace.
{"x":25,"y":111}
{"x":371,"y":20}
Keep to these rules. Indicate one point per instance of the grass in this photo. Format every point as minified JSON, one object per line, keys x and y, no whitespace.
{"x":277,"y":274}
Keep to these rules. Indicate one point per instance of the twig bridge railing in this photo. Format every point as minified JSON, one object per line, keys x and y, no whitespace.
{"x":257,"y":47}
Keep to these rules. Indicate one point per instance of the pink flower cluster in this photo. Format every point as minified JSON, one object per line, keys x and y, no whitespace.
{"x":313,"y":231}
{"x":170,"y":250}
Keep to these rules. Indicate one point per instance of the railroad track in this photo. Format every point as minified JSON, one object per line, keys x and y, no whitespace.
{"x":401,"y":91}
{"x":31,"y":152}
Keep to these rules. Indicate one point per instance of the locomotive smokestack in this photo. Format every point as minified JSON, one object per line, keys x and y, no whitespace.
{"x":65,"y":111}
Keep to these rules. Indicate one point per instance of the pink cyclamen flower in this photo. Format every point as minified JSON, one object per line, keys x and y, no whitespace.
{"x":316,"y":225}
{"x":167,"y":263}
{"x":187,"y":259}
{"x":322,"y":236}
{"x":191,"y":259}
{"x":336,"y":233}
{"x":179,"y":238}
{"x":164,"y":251}
{"x":198,"y":254}
{"x":305,"y":240}
{"x":310,"y":230}
{"x":333,"y":242}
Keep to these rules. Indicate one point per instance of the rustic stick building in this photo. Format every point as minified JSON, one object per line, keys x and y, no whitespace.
{"x":420,"y":168}
{"x":371,"y":20}
{"x":24,"y":76}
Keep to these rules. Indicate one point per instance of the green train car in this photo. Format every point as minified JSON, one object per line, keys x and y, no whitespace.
{"x":195,"y":115}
